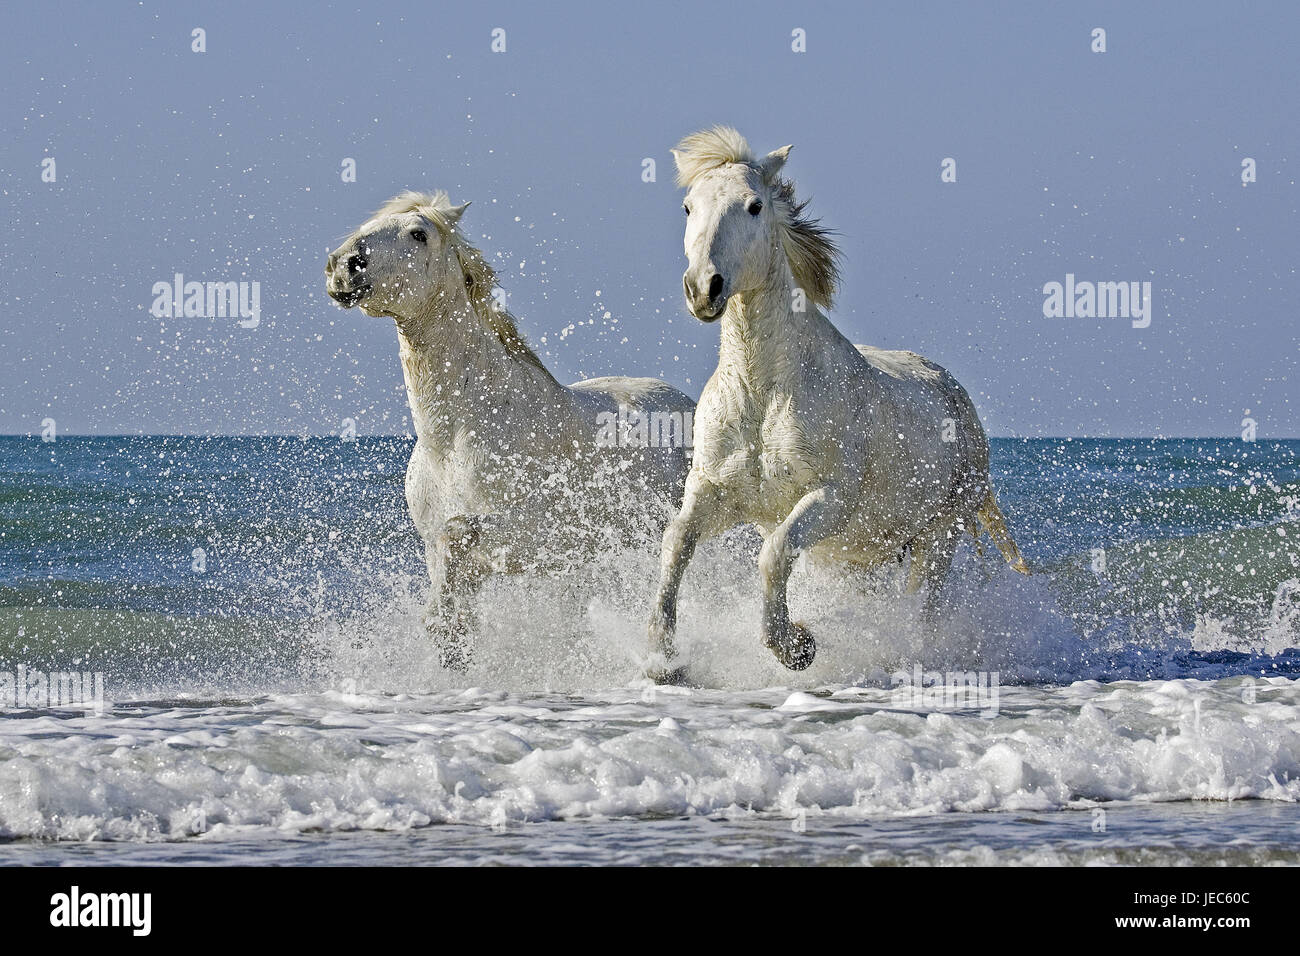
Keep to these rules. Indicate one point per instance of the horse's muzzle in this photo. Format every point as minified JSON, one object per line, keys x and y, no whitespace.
{"x":707,"y":311}
{"x":345,"y":277}
{"x":706,"y":301}
{"x":347,"y":296}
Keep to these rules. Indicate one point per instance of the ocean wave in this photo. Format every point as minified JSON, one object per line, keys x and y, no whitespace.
{"x":345,"y":761}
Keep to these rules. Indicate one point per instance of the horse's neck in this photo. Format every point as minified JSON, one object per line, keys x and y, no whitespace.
{"x":765,"y":339}
{"x":456,"y":370}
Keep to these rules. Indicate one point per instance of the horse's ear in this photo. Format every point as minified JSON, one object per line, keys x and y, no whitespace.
{"x":455,"y":212}
{"x":771,"y":164}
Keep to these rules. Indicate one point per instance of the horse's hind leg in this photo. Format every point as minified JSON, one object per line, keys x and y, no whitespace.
{"x":931,"y":561}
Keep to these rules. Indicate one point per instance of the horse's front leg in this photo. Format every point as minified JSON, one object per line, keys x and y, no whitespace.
{"x":700,"y":516}
{"x":818,"y":514}
{"x":457,"y":569}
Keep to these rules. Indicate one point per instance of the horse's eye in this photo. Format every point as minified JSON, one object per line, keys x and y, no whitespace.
{"x":419,"y":235}
{"x":756,"y":207}
{"x":686,"y":209}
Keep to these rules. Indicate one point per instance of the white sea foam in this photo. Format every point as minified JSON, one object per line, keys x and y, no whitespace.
{"x":358,"y":760}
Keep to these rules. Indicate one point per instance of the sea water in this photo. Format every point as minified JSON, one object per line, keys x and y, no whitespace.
{"x":250,"y":608}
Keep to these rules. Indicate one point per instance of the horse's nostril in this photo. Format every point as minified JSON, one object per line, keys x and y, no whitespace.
{"x":356,"y":263}
{"x":715,"y":286}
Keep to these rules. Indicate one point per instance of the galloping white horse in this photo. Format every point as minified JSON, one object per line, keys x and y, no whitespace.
{"x":511,"y":471}
{"x":850,"y":452}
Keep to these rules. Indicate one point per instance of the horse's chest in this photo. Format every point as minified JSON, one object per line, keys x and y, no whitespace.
{"x":762,"y":453}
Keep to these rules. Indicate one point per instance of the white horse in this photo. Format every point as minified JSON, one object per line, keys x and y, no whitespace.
{"x":511,"y":470}
{"x":851,"y":453}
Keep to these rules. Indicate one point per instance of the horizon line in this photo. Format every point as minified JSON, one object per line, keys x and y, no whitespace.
{"x":410,"y":436}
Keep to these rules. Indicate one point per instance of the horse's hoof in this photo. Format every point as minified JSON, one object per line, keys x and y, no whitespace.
{"x":663,"y":648}
{"x":660,"y":669}
{"x":796,"y":649}
{"x":454,"y":656}
{"x":450,"y":636}
{"x":676,"y":676}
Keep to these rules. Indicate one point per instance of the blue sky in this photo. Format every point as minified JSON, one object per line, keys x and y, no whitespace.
{"x":225,"y":165}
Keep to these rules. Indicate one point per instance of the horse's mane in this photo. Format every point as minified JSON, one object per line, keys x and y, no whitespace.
{"x":480,"y":277}
{"x":809,"y":248}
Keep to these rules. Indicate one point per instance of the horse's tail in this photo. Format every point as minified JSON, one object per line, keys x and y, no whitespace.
{"x":991,"y":520}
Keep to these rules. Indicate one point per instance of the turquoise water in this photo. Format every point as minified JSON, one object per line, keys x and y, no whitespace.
{"x":273,"y":695}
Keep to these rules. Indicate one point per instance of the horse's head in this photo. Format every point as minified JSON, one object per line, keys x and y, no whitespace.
{"x":400,"y":257}
{"x":410,"y":262}
{"x":742,"y":223}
